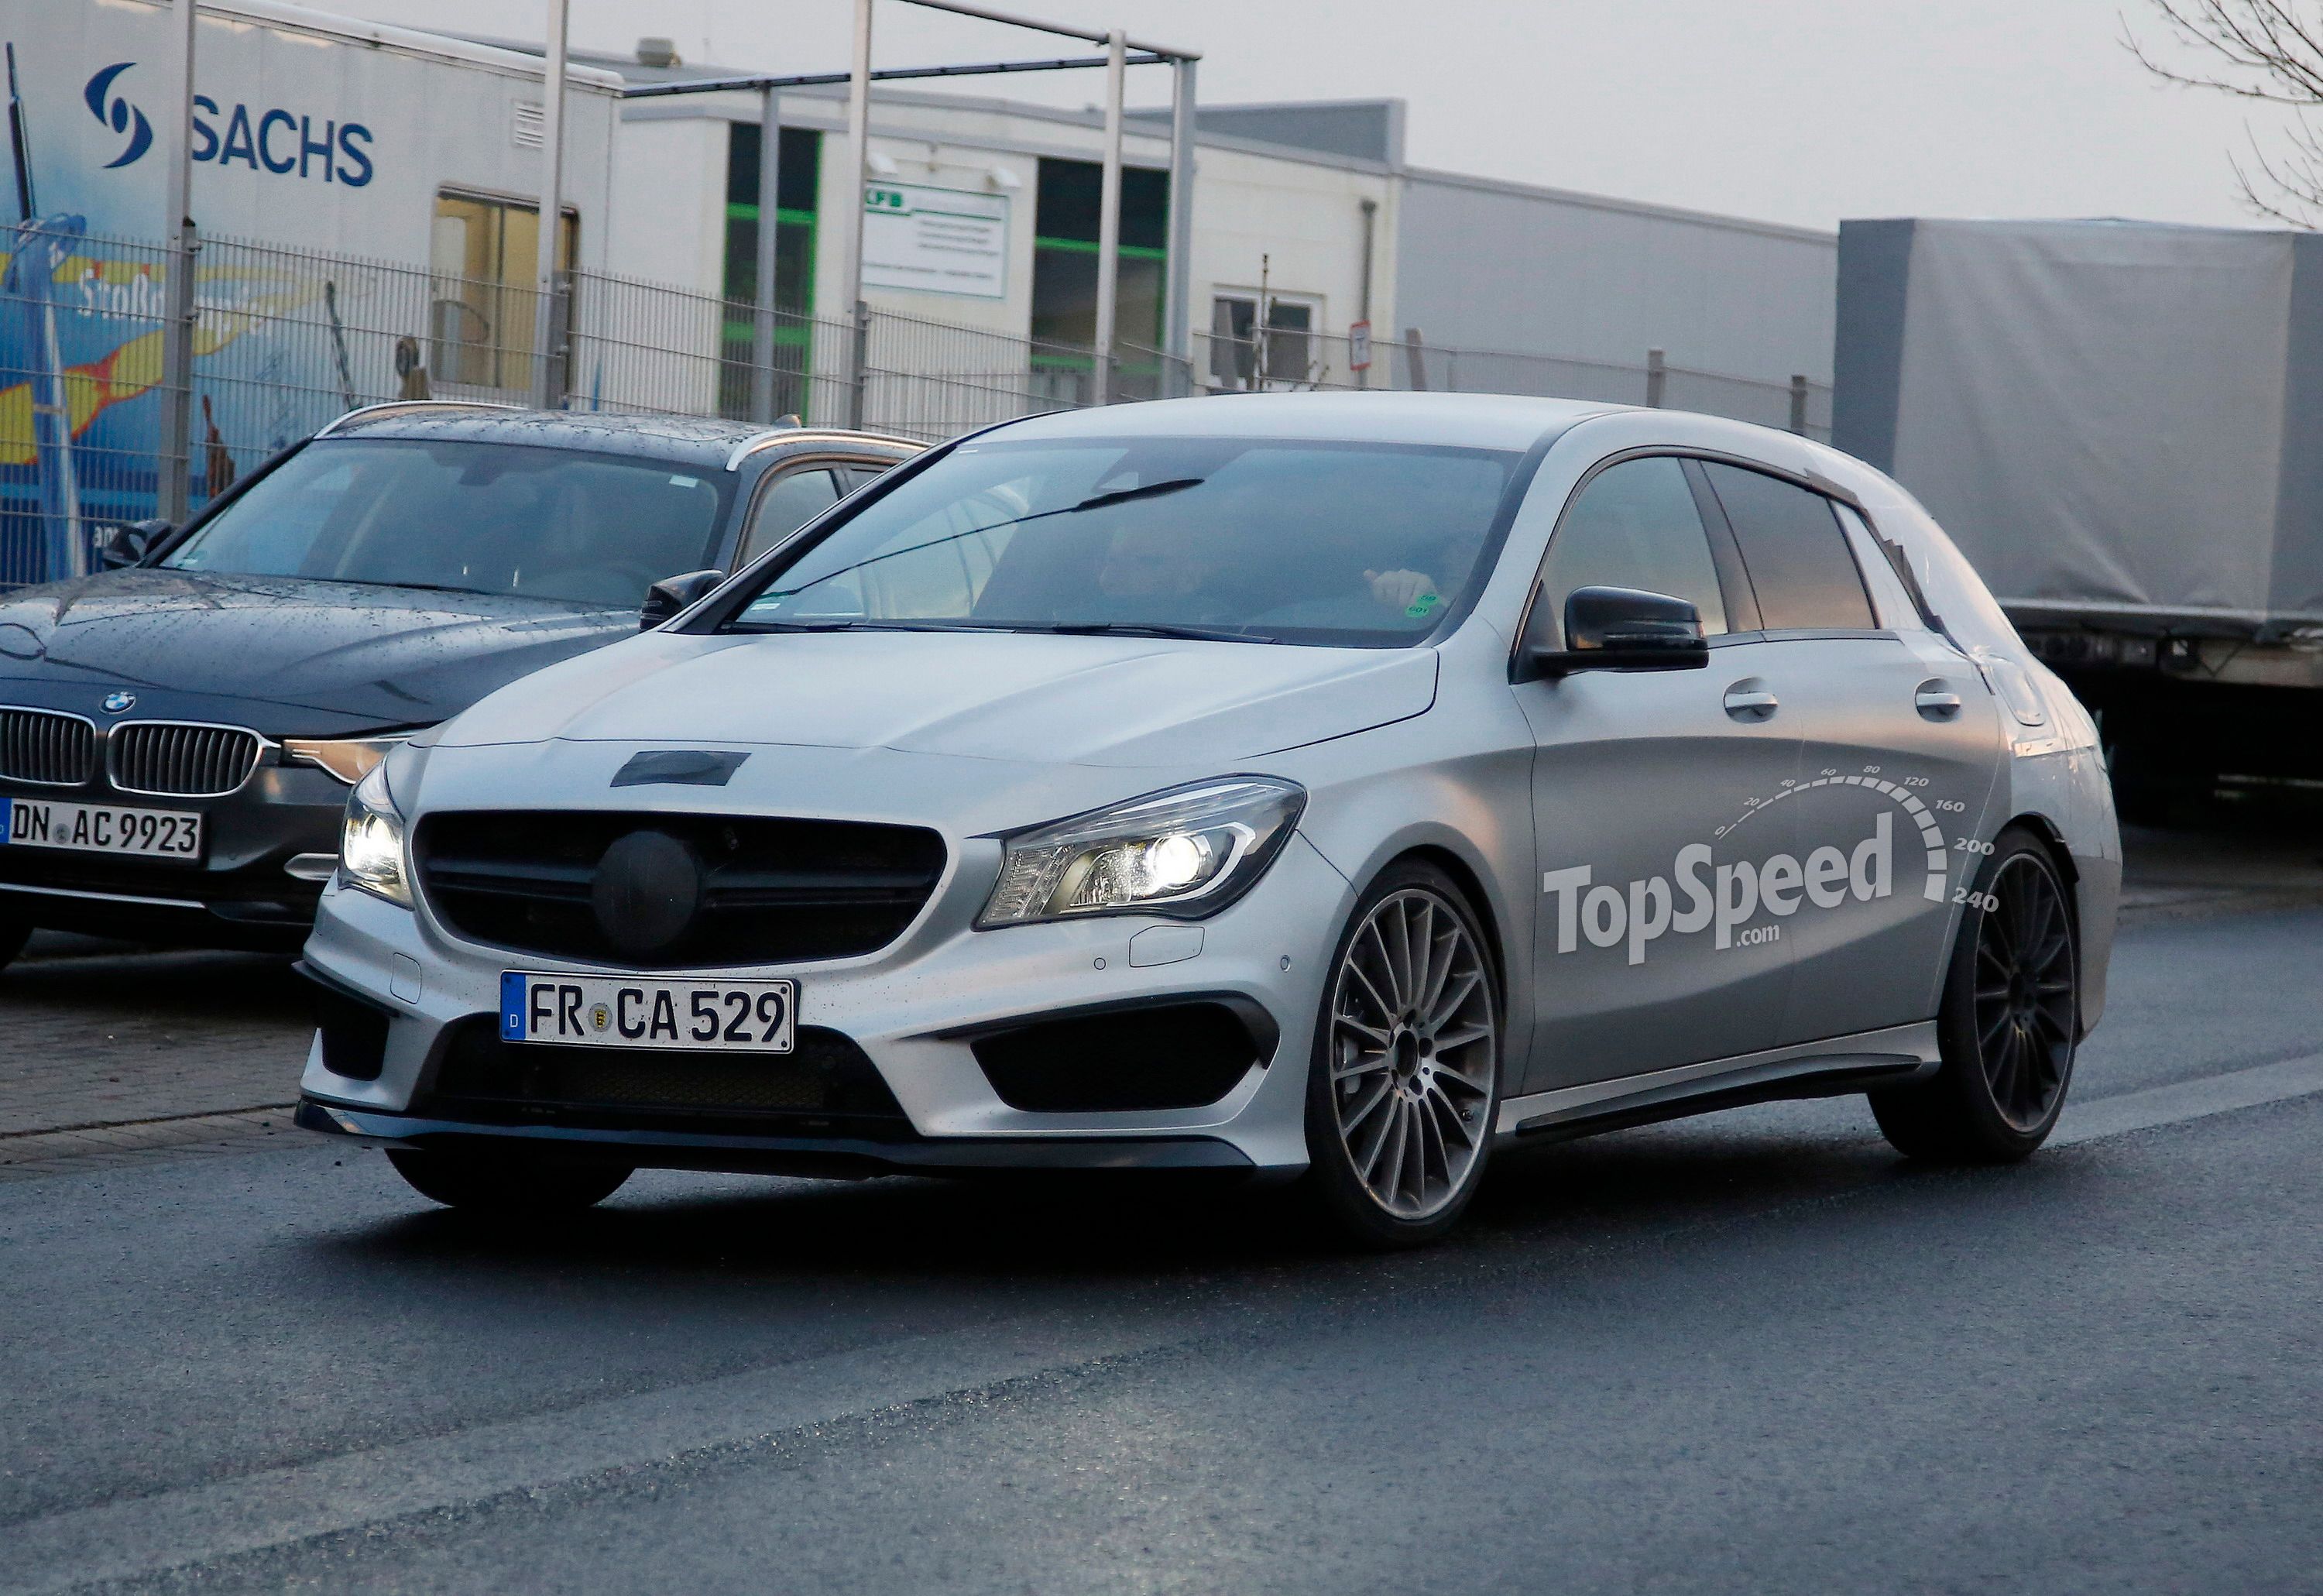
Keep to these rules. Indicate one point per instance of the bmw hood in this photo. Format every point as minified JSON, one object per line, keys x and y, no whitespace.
{"x":285,"y":656}
{"x":1026,"y":698}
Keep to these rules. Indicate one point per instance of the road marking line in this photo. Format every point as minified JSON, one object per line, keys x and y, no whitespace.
{"x":149,"y":1535}
{"x":144,"y":1535}
{"x":2188,"y":1100}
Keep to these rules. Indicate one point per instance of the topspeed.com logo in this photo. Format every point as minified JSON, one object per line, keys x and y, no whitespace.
{"x":1719,"y":898}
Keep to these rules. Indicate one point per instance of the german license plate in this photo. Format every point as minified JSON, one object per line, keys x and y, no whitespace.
{"x":632,"y":1012}
{"x":99,"y":828}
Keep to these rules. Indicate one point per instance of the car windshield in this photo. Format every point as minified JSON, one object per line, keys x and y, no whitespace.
{"x":1248,"y":540}
{"x":501,"y":519}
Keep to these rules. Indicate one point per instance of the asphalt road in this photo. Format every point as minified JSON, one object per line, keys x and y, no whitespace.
{"x":1750,"y":1352}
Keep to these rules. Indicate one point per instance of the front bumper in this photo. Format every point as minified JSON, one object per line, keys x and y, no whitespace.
{"x":241,"y":895}
{"x":913,"y":1010}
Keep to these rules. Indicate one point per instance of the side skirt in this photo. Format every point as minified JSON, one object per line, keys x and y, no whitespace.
{"x":1835,"y":1066}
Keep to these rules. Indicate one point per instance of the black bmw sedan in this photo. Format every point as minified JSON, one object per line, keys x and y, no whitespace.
{"x":178,"y":734}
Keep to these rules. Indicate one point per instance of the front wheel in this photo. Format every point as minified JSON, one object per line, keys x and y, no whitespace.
{"x":508,"y":1185}
{"x":2010,"y":1019}
{"x":1405,"y":1077}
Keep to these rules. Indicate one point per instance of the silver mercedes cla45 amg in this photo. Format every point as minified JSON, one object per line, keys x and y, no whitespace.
{"x":1327,"y":786}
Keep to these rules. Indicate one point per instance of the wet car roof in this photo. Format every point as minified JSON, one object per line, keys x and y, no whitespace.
{"x":695,"y":440}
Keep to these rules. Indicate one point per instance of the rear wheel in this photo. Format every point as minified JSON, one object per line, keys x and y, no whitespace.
{"x":507,"y":1184}
{"x":2010,"y":1021}
{"x":1405,"y":1077}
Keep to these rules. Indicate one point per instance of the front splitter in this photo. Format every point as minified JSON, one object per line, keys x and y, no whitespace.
{"x":836,"y":1157}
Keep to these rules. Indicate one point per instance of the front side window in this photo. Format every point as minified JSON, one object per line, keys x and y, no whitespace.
{"x":1792,"y":545}
{"x":1363,"y":546}
{"x":1635,"y":525}
{"x":501,"y":518}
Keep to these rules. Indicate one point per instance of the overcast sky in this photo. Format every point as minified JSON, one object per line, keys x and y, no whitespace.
{"x":1802,"y":111}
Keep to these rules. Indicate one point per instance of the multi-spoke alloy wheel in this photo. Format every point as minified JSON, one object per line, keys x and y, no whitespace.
{"x":1408,"y":1071}
{"x":2010,"y":1019}
{"x":2024,"y":993}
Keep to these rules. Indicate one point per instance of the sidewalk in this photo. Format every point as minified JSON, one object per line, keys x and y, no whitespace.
{"x":106,"y":1052}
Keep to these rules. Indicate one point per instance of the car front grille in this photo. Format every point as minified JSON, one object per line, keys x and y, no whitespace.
{"x":765,"y":890}
{"x":42,"y":746}
{"x":181,"y":760}
{"x":827,"y":1086}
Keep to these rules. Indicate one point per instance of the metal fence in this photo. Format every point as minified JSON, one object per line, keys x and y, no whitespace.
{"x":1289,"y":359}
{"x":284,"y":340}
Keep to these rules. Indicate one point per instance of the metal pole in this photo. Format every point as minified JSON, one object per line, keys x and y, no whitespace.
{"x":552,"y":210}
{"x":850,"y":220}
{"x":859,"y":363}
{"x":762,"y":338}
{"x":1370,"y":217}
{"x":1655,"y":379}
{"x":1181,"y":315}
{"x":1799,"y":404}
{"x":1108,"y":223}
{"x":173,"y":486}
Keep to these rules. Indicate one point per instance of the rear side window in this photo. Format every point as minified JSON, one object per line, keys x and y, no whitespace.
{"x":1635,"y":525}
{"x":789,"y":503}
{"x":1797,"y":556}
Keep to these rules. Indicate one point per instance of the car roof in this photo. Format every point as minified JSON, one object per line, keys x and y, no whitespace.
{"x":704,"y":440}
{"x":1472,"y":420}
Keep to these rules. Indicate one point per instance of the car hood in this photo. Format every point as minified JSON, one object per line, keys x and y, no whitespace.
{"x":283,"y":654}
{"x":1020,"y":697}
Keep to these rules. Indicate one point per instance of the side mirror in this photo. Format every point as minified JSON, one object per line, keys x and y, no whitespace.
{"x":1621,"y":629}
{"x":666,"y":599}
{"x":126,"y":546}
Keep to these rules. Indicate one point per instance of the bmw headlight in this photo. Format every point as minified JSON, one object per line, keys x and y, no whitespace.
{"x":1187,"y":852}
{"x":370,"y":843}
{"x":350,"y":759}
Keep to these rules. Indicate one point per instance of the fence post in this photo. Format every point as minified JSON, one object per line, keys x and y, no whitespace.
{"x":859,"y":367}
{"x":1657,"y":377}
{"x":173,"y":497}
{"x":1799,"y":404}
{"x":762,"y":336}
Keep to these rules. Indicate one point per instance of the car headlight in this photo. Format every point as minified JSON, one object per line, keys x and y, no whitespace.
{"x":350,"y":759}
{"x":1187,"y":852}
{"x":370,"y":843}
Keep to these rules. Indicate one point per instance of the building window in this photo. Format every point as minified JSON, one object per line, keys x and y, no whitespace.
{"x":482,"y":258}
{"x":800,"y":153}
{"x":1245,"y":356}
{"x":1065,"y":258}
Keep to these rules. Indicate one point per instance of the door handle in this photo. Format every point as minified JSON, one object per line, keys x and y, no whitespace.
{"x":1936,"y":700}
{"x":1751,"y":700}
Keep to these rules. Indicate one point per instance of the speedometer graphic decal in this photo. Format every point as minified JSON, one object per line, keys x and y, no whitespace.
{"x":1914,"y":807}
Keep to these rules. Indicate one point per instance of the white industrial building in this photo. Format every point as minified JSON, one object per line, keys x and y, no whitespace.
{"x":1536,"y":289}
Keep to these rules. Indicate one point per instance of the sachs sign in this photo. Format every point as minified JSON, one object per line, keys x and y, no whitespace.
{"x":272,"y":140}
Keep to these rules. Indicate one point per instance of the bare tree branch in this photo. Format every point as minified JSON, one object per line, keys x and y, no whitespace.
{"x":2263,"y":51}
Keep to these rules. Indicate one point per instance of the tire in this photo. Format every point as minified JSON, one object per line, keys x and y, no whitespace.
{"x":1405,"y":1080}
{"x":2009,"y":1023}
{"x":507,"y":1184}
{"x":13,"y":935}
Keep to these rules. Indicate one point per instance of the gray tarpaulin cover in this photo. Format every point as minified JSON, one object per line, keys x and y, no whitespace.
{"x":2112,"y":418}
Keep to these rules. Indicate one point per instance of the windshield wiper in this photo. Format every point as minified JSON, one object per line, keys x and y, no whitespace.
{"x":1094,"y":501}
{"x":1141,"y":628}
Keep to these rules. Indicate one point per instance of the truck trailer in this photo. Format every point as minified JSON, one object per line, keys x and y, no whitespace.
{"x":2121,"y":424}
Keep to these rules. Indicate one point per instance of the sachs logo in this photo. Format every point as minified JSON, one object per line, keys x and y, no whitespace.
{"x":115,"y":112}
